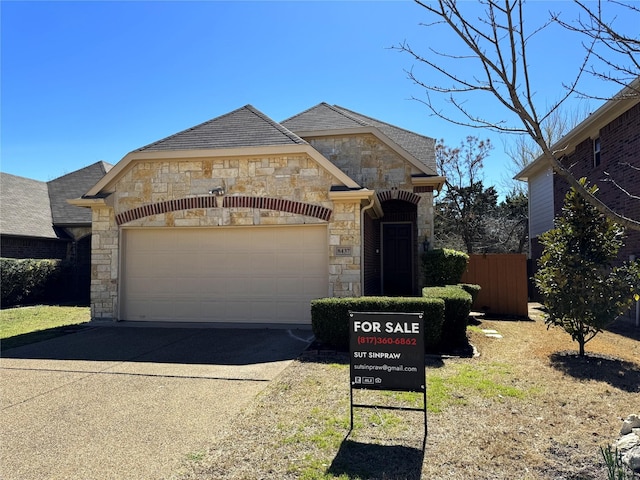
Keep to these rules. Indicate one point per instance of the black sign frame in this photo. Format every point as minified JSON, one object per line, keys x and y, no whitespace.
{"x":387,"y":352}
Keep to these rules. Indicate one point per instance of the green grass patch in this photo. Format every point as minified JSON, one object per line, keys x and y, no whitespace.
{"x":474,"y":328}
{"x":24,"y":325}
{"x":488,"y":381}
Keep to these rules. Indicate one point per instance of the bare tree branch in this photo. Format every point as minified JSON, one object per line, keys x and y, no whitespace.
{"x":498,"y":42}
{"x":600,"y":30}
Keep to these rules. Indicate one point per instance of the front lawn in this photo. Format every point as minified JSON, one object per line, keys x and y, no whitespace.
{"x":23,"y":325}
{"x":526,"y":408}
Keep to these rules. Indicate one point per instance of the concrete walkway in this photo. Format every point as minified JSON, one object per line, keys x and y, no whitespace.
{"x":130,"y":403}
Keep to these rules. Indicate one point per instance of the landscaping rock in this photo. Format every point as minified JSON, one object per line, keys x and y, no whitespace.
{"x":632,"y":458}
{"x":631,"y":422}
{"x":629,"y":443}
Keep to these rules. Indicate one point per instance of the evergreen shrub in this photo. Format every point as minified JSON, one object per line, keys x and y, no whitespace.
{"x":443,"y":266}
{"x":330,"y":316}
{"x":29,"y":280}
{"x":457,"y":306}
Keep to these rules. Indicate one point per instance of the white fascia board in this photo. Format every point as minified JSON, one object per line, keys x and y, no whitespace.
{"x":185,"y":155}
{"x":86,"y":202}
{"x":349,"y":195}
{"x":363,"y":195}
{"x":433,"y":181}
{"x":590,"y":127}
{"x":538,"y":165}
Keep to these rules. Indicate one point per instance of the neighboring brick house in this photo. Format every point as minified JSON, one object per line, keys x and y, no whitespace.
{"x":242,"y":219}
{"x":36,"y":221}
{"x":605,"y":146}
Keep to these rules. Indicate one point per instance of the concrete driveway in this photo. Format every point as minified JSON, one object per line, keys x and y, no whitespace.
{"x":113,"y":402}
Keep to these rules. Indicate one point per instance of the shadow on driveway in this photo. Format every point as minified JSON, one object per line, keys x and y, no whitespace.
{"x":114,"y":403}
{"x":204,"y":346}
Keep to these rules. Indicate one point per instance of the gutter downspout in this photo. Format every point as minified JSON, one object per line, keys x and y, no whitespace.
{"x":362,"y":213}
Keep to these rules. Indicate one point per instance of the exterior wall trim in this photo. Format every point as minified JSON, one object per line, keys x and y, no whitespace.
{"x":266,"y":203}
{"x":399,"y":195}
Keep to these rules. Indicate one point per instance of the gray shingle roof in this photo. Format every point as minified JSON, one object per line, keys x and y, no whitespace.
{"x":74,"y":185}
{"x":325,"y":117}
{"x":244,"y":127}
{"x":322,"y":117}
{"x":25,"y":209}
{"x":32,"y":208}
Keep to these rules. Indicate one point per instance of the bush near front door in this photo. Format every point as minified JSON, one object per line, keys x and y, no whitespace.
{"x":330,"y":316}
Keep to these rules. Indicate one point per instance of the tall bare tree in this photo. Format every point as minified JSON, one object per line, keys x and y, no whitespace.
{"x":496,"y":41}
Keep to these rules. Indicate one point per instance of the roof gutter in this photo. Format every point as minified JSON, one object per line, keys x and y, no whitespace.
{"x":589,"y":127}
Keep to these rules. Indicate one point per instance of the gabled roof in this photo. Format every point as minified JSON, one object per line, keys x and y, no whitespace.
{"x":25,"y":209}
{"x":33,"y":208}
{"x":588,"y":128}
{"x":74,"y":185}
{"x":245,"y":131}
{"x":244,"y":127}
{"x":325,"y":119}
{"x":322,"y":117}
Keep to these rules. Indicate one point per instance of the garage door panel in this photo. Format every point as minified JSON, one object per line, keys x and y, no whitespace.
{"x":263,"y":262}
{"x":314,"y":263}
{"x":245,"y":274}
{"x":314,"y":285}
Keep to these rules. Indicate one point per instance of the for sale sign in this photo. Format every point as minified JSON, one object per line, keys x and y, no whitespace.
{"x":387,"y":351}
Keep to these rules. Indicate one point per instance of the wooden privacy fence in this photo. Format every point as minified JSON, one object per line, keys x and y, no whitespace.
{"x":503,"y":278}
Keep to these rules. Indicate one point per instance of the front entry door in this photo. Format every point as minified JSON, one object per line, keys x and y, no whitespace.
{"x":397,"y":259}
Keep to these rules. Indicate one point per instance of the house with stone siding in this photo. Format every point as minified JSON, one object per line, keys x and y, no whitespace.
{"x":245,"y":220}
{"x":604,"y":148}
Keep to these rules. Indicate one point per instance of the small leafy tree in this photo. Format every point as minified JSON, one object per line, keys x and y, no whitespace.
{"x":582,"y":290}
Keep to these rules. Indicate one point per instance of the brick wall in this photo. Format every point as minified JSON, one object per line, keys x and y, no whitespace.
{"x":620,"y":145}
{"x":21,"y":247}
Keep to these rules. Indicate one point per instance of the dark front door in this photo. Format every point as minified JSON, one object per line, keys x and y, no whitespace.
{"x":397,"y":259}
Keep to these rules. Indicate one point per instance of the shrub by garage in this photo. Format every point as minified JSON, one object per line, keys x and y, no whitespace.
{"x":330,"y":316}
{"x":27,"y":281}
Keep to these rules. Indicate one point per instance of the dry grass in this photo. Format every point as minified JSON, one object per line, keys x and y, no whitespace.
{"x":523,"y":409}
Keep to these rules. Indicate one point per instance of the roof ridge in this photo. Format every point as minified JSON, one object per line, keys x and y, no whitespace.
{"x":347,"y":113}
{"x":303,"y":112}
{"x":248,"y":108}
{"x":384,"y":123}
{"x":99,"y":164}
{"x":23,"y":178}
{"x":281,"y":128}
{"x":330,"y":107}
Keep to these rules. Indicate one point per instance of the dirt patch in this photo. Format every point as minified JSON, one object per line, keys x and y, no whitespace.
{"x":525,"y":408}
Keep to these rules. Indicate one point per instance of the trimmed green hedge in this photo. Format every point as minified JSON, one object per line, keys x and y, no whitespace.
{"x":457,"y":306}
{"x":330,"y":316}
{"x":472,"y":289}
{"x":443,"y":266}
{"x":28,"y":280}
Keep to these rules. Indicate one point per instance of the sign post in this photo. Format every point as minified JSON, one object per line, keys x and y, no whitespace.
{"x":387,"y":353}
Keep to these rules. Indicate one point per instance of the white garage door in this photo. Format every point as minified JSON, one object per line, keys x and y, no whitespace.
{"x":242,"y":274}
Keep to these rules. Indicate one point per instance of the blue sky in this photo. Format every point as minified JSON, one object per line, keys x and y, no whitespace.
{"x":89,"y":81}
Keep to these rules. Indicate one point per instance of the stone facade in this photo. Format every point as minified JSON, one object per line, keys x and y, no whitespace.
{"x":376,"y":166}
{"x":163,"y":191}
{"x":104,"y":264}
{"x":295,"y":179}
